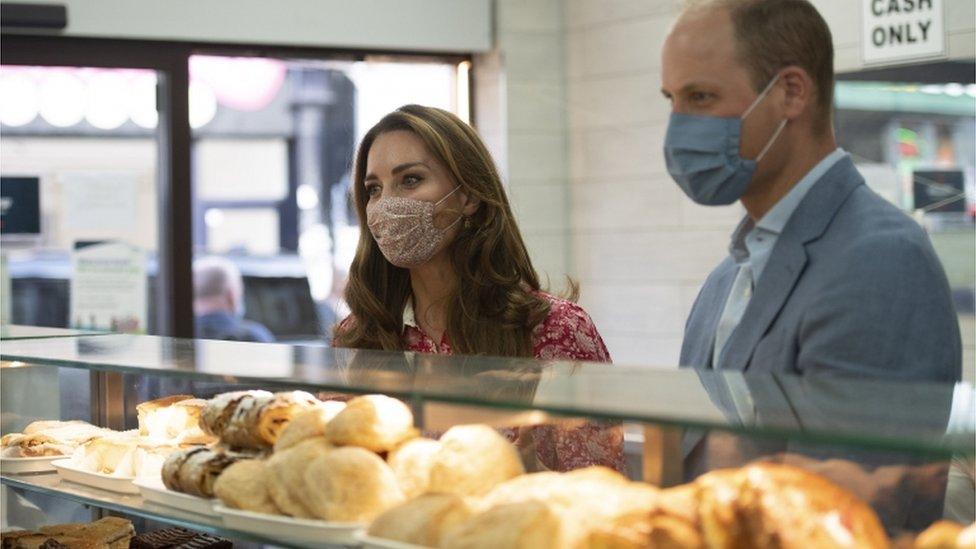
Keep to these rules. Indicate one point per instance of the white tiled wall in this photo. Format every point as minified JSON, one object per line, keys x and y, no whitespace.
{"x":582,"y":129}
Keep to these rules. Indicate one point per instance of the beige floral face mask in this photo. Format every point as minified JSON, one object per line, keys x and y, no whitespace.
{"x":404,"y":229}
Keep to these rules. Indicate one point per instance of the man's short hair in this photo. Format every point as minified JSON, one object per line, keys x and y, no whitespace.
{"x":216,"y":277}
{"x":773,"y":34}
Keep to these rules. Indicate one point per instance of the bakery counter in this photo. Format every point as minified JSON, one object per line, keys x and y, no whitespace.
{"x":306,"y":445}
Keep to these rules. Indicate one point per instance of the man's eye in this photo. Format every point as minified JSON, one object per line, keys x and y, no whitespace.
{"x":699,"y":97}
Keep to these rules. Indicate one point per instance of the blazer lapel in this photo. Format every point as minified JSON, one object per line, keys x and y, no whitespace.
{"x":788,"y":259}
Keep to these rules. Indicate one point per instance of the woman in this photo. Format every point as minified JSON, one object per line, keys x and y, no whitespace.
{"x":441,"y":266}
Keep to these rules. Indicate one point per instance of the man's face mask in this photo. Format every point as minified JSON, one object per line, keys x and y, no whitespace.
{"x":404,"y":229}
{"x":702,"y":155}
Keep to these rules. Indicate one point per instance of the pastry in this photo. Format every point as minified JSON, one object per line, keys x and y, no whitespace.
{"x":411,"y":462}
{"x":49,"y":438}
{"x":286,"y":480}
{"x":797,"y":508}
{"x":525,"y":525}
{"x":375,"y":422}
{"x":178,"y":538}
{"x":349,"y":484}
{"x":124,"y":454}
{"x":173,"y":419}
{"x":107,"y":533}
{"x":308,"y":424}
{"x":473,"y":459}
{"x":244,"y":485}
{"x":421,"y":521}
{"x":584,"y":500}
{"x":194,"y":471}
{"x":946,"y":534}
{"x":253,"y":419}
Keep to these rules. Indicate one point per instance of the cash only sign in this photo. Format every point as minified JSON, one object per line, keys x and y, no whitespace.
{"x":902,"y":30}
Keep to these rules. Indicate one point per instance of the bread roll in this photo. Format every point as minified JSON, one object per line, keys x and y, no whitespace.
{"x":797,"y":508}
{"x":526,"y":525}
{"x":422,"y":521}
{"x":244,"y":485}
{"x":286,"y":477}
{"x":585,"y":500}
{"x":411,"y":463}
{"x":257,"y":422}
{"x":349,"y":484}
{"x":308,"y":424}
{"x":946,"y":534}
{"x":375,"y":422}
{"x":472,"y":460}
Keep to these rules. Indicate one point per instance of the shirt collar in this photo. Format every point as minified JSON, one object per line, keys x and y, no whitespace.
{"x":409,"y":319}
{"x":776,"y":218}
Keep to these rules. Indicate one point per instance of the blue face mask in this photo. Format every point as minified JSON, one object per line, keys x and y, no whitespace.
{"x":702,"y":154}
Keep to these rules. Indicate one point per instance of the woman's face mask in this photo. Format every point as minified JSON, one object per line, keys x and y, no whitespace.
{"x":702,"y":155}
{"x":404,"y":229}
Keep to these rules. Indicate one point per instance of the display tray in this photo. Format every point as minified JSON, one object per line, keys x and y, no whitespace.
{"x":25,"y":465}
{"x":303,"y":532}
{"x":71,"y":472}
{"x":371,"y":542}
{"x":52,"y":484}
{"x":153,"y":490}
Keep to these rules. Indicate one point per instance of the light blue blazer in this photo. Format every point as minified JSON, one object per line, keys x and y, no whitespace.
{"x":852,"y":287}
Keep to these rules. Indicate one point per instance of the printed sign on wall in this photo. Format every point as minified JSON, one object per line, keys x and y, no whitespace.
{"x":108,"y":287}
{"x":902,"y":30}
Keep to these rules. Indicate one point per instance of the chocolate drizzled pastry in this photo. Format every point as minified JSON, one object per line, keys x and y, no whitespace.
{"x":178,"y":538}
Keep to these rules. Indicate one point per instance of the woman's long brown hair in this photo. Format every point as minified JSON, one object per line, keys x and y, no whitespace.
{"x":494,"y":307}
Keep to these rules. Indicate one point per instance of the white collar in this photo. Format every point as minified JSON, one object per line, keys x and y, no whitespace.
{"x":409,"y":319}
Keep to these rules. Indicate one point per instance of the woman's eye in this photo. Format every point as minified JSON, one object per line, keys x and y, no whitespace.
{"x":372,"y":190}
{"x":411,"y":180}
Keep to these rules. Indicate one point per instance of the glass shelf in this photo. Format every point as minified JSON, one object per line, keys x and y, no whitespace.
{"x":14,"y":331}
{"x":129,"y":504}
{"x":922,"y":418}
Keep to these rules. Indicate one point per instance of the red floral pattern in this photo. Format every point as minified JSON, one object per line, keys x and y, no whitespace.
{"x":567,"y":333}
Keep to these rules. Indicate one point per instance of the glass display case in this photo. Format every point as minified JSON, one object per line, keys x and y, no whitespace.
{"x":905,"y":448}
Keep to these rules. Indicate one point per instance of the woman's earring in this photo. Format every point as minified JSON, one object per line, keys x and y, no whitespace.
{"x":467,"y":222}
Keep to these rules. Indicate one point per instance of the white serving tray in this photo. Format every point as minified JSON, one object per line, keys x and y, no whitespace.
{"x":71,"y":472}
{"x":371,"y":542}
{"x":305,"y":532}
{"x":23,"y":465}
{"x":152,"y":489}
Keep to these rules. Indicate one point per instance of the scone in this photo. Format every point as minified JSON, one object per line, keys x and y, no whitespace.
{"x":349,"y":484}
{"x":308,"y":424}
{"x":411,"y":463}
{"x":473,"y":459}
{"x":375,"y":422}
{"x":526,"y":525}
{"x":422,"y":521}
{"x":244,"y":485}
{"x":286,"y":477}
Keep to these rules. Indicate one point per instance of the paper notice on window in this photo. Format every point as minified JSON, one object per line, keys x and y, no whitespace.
{"x":96,"y":202}
{"x":108,"y":287}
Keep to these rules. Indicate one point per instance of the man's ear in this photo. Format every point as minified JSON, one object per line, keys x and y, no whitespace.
{"x":799,"y":91}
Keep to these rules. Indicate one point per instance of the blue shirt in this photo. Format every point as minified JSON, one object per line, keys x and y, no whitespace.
{"x":753,"y":242}
{"x":227,"y":326}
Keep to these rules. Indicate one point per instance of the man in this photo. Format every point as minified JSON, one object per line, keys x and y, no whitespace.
{"x":218,"y":303}
{"x":824,"y":276}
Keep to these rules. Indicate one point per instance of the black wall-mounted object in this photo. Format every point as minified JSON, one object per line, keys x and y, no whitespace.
{"x":33,"y":16}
